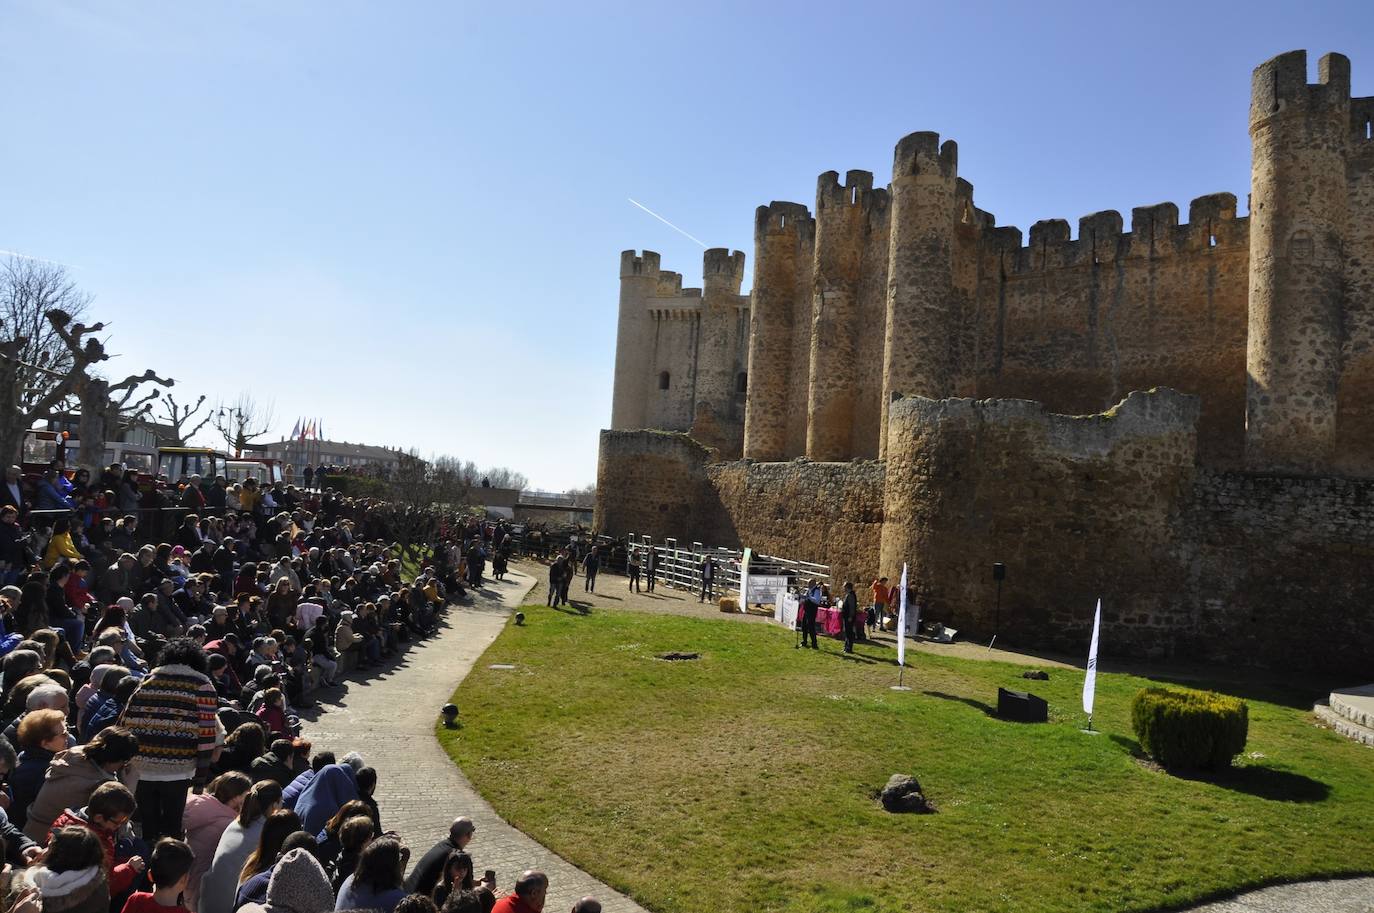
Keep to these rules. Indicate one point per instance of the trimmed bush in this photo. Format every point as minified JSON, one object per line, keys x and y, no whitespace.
{"x":1190,"y":730}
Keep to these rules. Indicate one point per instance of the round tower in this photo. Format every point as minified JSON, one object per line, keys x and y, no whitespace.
{"x":834,"y":368}
{"x":721,"y":353}
{"x":634,"y":337}
{"x":917,"y":358}
{"x":781,"y":235}
{"x":1299,"y":217}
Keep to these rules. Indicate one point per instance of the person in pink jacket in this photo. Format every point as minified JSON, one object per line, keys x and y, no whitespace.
{"x":207,"y":816}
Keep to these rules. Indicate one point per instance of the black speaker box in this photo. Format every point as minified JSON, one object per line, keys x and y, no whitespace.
{"x":1021,"y":706}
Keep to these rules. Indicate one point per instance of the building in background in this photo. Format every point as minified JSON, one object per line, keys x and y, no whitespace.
{"x":332,"y":453}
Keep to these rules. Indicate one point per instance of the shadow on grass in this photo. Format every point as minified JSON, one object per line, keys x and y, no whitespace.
{"x":574,"y":607}
{"x":988,"y":709}
{"x":1259,"y":781}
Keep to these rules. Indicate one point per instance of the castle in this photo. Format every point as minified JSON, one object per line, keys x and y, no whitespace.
{"x":1199,"y":441}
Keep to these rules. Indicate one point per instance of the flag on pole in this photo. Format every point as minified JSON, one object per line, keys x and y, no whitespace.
{"x":901,"y":621}
{"x":296,"y":431}
{"x":744,"y":581}
{"x":1090,"y":680}
{"x":319,"y":431}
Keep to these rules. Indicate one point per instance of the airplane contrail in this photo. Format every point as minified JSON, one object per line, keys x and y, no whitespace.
{"x":18,"y":255}
{"x":665,"y":221}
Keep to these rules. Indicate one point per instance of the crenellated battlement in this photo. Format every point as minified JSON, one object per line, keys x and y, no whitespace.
{"x":922,"y":154}
{"x":857,"y":190}
{"x":723,"y":270}
{"x":634,"y":264}
{"x":669,"y":284}
{"x":1279,"y":86}
{"x":780,"y":217}
{"x":1155,"y":232}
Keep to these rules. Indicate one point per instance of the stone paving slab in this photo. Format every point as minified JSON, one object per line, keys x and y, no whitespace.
{"x":1342,"y":895}
{"x":389,"y":718}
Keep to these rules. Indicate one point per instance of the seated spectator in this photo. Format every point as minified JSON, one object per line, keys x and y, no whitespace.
{"x":71,"y":878}
{"x":108,"y":810}
{"x":242,"y":747}
{"x":207,"y":816}
{"x":169,"y":868}
{"x":42,"y":734}
{"x":105,"y":712}
{"x":328,"y":791}
{"x":221,"y":880}
{"x":354,"y":834}
{"x":75,"y":773}
{"x":254,"y":889}
{"x":298,"y":884}
{"x":376,"y":883}
{"x":276,"y":763}
{"x":281,"y":824}
{"x":292,"y":792}
{"x":457,"y":876}
{"x":426,"y":873}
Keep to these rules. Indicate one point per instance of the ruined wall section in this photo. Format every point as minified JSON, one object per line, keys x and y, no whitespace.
{"x":1077,"y":324}
{"x":653,"y":483}
{"x":1075,"y":507}
{"x":828,"y":513}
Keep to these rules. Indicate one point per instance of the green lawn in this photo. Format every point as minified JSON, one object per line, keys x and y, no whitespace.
{"x":744,"y":781}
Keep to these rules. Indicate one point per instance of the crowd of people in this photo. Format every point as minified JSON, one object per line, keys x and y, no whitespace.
{"x":151,"y":754}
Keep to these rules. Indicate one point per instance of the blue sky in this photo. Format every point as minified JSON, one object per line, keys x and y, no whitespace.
{"x":406,"y":218}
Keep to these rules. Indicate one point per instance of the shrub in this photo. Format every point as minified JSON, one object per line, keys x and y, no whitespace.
{"x":1190,"y":730}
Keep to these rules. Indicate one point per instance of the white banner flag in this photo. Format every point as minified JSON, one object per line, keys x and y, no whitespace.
{"x":1090,"y":680}
{"x":744,"y":581}
{"x":901,"y":622}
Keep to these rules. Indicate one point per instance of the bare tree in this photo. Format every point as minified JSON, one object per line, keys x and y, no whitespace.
{"x":504,"y":477}
{"x":242,"y":422}
{"x":107,"y":409}
{"x":419,"y":492}
{"x":32,"y":391}
{"x":178,"y":420}
{"x":29,"y":289}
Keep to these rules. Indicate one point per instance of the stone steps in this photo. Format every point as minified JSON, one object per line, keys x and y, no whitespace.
{"x":1350,"y":711}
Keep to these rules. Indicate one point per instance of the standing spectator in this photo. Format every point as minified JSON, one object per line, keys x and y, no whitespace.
{"x":173,"y":716}
{"x":708,"y":578}
{"x":881,"y":595}
{"x":632,"y":569}
{"x":591,"y":564}
{"x":849,"y":616}
{"x":650,"y":568}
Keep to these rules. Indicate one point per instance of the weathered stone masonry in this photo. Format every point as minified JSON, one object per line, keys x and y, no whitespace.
{"x":1228,"y":520}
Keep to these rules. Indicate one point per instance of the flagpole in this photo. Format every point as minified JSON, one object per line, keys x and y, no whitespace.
{"x":901,"y":637}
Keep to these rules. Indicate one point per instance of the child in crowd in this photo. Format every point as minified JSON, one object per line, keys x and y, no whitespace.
{"x":169,"y":868}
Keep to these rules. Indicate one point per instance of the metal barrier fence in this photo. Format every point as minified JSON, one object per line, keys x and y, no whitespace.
{"x":679,"y":566}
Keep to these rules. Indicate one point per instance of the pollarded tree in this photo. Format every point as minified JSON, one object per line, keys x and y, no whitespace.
{"x":179,"y":421}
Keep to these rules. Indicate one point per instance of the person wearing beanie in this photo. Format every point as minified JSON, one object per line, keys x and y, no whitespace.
{"x":298,"y":885}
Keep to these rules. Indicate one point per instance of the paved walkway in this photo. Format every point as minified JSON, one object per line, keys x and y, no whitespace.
{"x":390,"y":718}
{"x":1347,"y":895}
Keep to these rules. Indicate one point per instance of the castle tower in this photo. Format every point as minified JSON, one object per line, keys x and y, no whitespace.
{"x":717,"y":421}
{"x":1299,"y":219}
{"x":917,"y":357}
{"x":783,"y":236}
{"x":834,"y":368}
{"x":634,"y":337}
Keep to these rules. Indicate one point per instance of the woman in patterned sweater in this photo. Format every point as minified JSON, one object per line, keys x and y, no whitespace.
{"x":173,"y":715}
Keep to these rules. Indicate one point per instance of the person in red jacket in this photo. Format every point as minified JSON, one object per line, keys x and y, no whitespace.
{"x":272,"y":713}
{"x":531,"y":888}
{"x":110,"y":808}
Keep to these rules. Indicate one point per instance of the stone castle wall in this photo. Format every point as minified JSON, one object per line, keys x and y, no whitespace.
{"x":1191,"y":563}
